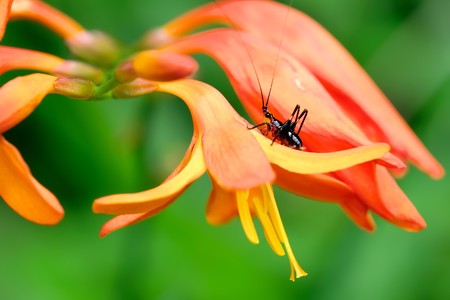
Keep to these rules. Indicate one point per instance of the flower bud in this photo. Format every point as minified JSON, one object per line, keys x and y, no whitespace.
{"x":95,"y":47}
{"x":75,"y":69}
{"x":163,"y":66}
{"x":136,"y":88}
{"x":74,"y":88}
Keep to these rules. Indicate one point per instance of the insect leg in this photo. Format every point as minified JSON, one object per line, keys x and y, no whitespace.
{"x":295,"y":112}
{"x":259,"y":125}
{"x":302,"y":115}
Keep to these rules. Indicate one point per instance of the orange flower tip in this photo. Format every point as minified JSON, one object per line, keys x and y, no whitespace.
{"x":74,"y":88}
{"x":95,"y":47}
{"x":156,"y":38}
{"x":163,"y":66}
{"x":136,"y":88}
{"x":75,"y":69}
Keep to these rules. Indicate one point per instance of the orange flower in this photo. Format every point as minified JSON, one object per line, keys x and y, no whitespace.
{"x":239,"y":164}
{"x":346,"y":108}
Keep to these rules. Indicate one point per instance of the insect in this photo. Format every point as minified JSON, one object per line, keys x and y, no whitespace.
{"x":285,"y":131}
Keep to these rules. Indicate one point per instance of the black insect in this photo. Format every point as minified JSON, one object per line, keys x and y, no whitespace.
{"x":286,"y":131}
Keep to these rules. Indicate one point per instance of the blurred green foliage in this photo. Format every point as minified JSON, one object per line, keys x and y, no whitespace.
{"x":82,"y":151}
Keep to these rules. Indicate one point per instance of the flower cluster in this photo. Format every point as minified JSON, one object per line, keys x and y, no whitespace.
{"x":354,"y":137}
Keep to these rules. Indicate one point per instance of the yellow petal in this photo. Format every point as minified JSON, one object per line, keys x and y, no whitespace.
{"x":20,"y":96}
{"x":148,"y":200}
{"x":311,"y":163}
{"x":22,"y":192}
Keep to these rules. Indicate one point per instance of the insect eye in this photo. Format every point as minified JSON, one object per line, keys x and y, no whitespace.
{"x":267,"y":114}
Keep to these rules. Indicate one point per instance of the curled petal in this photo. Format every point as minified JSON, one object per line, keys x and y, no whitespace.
{"x":232,"y":155}
{"x":121,"y":221}
{"x":22,"y":192}
{"x":157,"y":197}
{"x":5,"y":8}
{"x":312,"y":163}
{"x":43,"y":13}
{"x":326,"y":129}
{"x":163,"y":66}
{"x":20,"y":96}
{"x":327,"y":59}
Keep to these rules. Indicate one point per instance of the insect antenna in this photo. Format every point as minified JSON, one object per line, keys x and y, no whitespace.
{"x":278,"y":54}
{"x":233,"y":25}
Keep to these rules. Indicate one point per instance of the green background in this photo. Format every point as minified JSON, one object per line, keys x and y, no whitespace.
{"x":82,"y":151}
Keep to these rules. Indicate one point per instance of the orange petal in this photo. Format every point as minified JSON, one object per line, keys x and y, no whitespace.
{"x":22,"y":192}
{"x":232,"y":155}
{"x":5,"y":8}
{"x":17,"y":58}
{"x":327,"y":59}
{"x":20,"y":96}
{"x":326,"y":129}
{"x":378,"y":190}
{"x":159,"y":196}
{"x":43,"y":13}
{"x":163,"y":66}
{"x":221,"y":206}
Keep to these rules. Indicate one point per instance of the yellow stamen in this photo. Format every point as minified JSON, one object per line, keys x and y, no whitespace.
{"x":274,"y":215}
{"x":246,"y":216}
{"x":269,"y":230}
